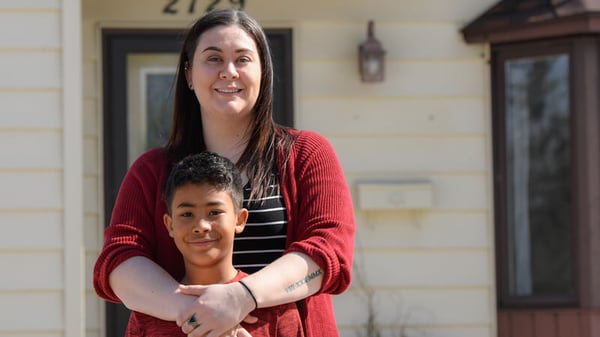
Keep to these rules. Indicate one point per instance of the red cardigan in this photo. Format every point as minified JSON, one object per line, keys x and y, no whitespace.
{"x":319,"y":212}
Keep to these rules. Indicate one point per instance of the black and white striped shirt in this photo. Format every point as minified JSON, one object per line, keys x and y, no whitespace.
{"x":263,"y":239}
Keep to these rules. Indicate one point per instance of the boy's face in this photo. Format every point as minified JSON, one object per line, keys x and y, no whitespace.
{"x":203,"y":223}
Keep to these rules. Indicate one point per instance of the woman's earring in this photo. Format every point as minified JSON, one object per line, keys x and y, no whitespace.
{"x":191,"y":86}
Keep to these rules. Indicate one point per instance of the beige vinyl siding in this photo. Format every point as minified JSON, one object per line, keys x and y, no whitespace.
{"x":40,"y":32}
{"x":408,"y":116}
{"x":436,"y":154}
{"x":38,"y":208}
{"x":410,"y":78}
{"x":27,"y":69}
{"x":16,"y":320}
{"x":421,"y":311}
{"x":423,"y":231}
{"x":92,"y":168}
{"x":31,"y":247}
{"x":27,"y":109}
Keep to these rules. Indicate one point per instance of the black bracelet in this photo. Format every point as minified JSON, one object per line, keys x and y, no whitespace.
{"x":249,"y":292}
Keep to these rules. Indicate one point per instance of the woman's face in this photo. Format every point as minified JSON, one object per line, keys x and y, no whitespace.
{"x":225,"y":73}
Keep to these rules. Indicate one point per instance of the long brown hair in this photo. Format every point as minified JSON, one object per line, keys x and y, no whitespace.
{"x":267,"y":138}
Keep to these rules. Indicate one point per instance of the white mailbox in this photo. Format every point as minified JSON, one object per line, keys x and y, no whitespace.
{"x":395,"y":195}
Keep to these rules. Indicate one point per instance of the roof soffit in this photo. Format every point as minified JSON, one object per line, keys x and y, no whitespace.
{"x":517,"y":20}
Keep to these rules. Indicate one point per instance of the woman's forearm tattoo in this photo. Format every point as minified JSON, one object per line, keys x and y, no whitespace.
{"x":305,"y":280}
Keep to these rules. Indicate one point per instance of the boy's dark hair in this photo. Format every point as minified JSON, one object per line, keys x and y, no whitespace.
{"x":205,"y":168}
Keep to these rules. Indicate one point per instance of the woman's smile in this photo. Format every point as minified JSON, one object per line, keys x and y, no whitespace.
{"x":228,"y":91}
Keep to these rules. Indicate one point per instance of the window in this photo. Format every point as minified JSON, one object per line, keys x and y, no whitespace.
{"x":541,"y":141}
{"x":535,"y":161}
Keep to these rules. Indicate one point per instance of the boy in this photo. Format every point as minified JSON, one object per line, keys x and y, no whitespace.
{"x":204,"y":199}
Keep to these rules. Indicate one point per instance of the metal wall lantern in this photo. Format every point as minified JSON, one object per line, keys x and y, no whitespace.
{"x":371,"y":57}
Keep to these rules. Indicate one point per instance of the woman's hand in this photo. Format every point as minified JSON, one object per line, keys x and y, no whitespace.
{"x":237,"y":332}
{"x":218,"y":310}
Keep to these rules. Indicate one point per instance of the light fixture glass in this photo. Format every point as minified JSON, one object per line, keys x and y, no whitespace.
{"x":371,"y":57}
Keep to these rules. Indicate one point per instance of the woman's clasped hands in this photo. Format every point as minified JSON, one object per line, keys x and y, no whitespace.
{"x":219,"y":307}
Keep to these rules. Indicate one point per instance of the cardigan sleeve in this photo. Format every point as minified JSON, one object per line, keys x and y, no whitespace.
{"x":322,"y":216}
{"x":131,"y":229}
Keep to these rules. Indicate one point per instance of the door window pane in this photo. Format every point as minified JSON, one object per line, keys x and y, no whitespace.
{"x":538,"y":167}
{"x":151,"y":85}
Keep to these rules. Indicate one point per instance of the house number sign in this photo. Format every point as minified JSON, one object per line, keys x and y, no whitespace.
{"x":174,"y":6}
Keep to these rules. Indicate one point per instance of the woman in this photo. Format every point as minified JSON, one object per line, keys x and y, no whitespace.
{"x":299,"y":240}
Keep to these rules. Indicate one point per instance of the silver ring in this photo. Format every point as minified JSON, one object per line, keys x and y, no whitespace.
{"x":192,"y":321}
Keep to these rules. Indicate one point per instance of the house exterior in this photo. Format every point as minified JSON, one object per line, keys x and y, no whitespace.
{"x":420,"y":151}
